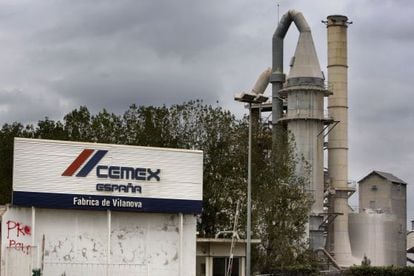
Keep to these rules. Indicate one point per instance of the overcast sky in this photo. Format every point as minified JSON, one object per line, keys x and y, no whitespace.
{"x":58,"y":55}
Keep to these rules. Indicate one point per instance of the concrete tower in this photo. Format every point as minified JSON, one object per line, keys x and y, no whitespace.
{"x":338,"y":239}
{"x":305,"y":92}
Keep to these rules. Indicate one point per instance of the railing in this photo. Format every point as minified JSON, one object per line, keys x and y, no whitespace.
{"x":325,"y":116}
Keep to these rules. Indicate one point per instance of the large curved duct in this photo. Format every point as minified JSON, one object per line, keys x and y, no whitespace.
{"x":280,"y":33}
{"x":277,"y":78}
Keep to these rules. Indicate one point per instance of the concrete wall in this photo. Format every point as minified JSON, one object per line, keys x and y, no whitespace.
{"x":380,"y":194}
{"x":389,"y":197}
{"x":77,"y":242}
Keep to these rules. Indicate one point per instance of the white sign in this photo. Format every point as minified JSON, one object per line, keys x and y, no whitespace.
{"x":59,"y":174}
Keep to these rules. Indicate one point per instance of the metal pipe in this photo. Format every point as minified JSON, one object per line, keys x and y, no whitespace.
{"x":108,"y":255}
{"x":181,"y":246}
{"x":33,"y":225}
{"x":262,"y":82}
{"x":33,"y":238}
{"x":257,"y":98}
{"x":277,"y":78}
{"x":249,"y":196}
{"x":280,"y":33}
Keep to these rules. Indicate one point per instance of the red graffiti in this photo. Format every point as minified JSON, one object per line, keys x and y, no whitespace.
{"x":20,"y":228}
{"x":27,"y":229}
{"x":16,"y":230}
{"x":20,"y":246}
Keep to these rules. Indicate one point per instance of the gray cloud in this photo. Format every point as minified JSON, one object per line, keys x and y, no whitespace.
{"x":156,"y":52}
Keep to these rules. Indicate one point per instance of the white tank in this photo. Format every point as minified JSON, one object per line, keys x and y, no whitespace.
{"x":374,"y":235}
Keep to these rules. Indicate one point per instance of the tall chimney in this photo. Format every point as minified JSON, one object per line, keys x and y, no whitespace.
{"x":338,"y":238}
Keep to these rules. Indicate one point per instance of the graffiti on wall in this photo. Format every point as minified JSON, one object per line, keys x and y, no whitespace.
{"x":17,"y":234}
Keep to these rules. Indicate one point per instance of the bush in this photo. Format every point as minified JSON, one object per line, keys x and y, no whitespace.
{"x":380,"y":271}
{"x":294,"y":271}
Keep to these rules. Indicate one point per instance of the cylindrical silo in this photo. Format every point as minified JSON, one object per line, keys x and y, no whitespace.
{"x":374,"y":237}
{"x":338,"y":237}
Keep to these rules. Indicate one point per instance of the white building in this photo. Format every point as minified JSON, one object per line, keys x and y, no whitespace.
{"x":98,"y":209}
{"x":378,"y":231}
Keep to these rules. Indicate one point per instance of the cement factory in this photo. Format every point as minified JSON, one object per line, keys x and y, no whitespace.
{"x":377,"y":230}
{"x":103,"y":209}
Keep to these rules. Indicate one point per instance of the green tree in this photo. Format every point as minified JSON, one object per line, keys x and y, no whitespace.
{"x":191,"y":125}
{"x":106,"y":127}
{"x":49,"y":129}
{"x":149,"y":126}
{"x":280,"y":205}
{"x":7,"y":134}
{"x":78,"y":125}
{"x":222,"y":139}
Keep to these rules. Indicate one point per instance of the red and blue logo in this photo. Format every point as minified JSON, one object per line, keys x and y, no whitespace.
{"x":80,"y":161}
{"x":85,"y":164}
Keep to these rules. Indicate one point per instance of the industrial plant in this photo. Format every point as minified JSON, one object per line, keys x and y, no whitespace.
{"x":376,"y":231}
{"x":83,"y":208}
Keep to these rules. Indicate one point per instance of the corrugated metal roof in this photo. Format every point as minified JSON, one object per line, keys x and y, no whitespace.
{"x":387,"y":176}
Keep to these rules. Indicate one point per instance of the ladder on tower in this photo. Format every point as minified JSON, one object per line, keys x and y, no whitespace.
{"x":234,"y":236}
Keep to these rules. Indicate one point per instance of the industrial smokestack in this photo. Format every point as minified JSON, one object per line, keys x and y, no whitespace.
{"x":338,"y":237}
